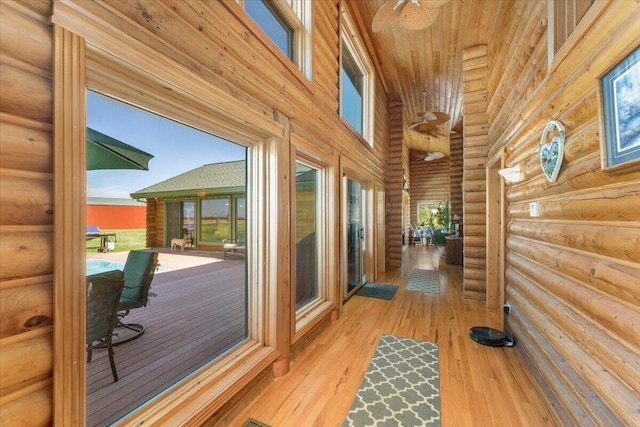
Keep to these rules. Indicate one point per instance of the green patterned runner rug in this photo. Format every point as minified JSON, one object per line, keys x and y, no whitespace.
{"x":424,"y":281}
{"x":401,"y":386}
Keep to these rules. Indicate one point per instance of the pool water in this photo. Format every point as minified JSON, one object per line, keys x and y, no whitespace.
{"x":97,"y":266}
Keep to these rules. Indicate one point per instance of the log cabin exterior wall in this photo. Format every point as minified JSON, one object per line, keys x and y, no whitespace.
{"x":573,"y":274}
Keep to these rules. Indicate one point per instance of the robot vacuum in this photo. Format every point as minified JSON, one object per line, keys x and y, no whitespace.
{"x":491,"y":337}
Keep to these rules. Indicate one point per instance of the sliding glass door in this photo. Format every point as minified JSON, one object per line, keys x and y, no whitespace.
{"x":356,"y":245}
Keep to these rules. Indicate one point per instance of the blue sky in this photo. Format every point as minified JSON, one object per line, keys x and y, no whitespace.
{"x":176,"y":148}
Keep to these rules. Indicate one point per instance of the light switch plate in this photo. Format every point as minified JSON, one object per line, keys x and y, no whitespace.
{"x":534,"y":209}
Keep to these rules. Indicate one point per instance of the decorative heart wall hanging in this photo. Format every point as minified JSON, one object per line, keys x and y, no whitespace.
{"x":552,"y":153}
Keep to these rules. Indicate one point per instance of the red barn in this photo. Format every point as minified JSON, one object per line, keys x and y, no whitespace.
{"x":116,"y":214}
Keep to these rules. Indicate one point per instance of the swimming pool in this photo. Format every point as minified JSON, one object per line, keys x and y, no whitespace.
{"x":97,"y":266}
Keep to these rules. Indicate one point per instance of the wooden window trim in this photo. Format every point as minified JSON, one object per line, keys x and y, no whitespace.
{"x":298,"y":14}
{"x":86,"y":50}
{"x":556,"y":56}
{"x":350,"y":40}
{"x":313,"y":313}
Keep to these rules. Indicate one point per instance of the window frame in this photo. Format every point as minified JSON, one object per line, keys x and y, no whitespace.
{"x":350,"y":40}
{"x":90,"y":54}
{"x":298,"y":16}
{"x":557,"y":54}
{"x":308,"y":316}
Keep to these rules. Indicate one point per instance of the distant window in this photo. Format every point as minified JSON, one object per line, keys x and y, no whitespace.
{"x":276,"y":27}
{"x":288,"y":25}
{"x":214,"y":220}
{"x":566,"y":15}
{"x":357,"y":80}
{"x":241,"y":217}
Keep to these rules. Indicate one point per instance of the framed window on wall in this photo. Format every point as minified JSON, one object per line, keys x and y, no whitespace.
{"x":288,"y":25}
{"x":312,"y":270}
{"x":357,"y":80}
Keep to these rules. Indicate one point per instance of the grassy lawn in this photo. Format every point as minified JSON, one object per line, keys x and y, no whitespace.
{"x":126,"y":240}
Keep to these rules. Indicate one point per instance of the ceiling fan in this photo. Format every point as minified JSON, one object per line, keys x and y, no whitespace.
{"x":429,"y":156}
{"x":410,"y":14}
{"x":428,"y":120}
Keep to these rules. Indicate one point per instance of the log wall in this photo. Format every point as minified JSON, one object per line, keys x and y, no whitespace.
{"x":26,"y":214}
{"x":215,"y":40}
{"x":455,"y":174}
{"x":430,"y":183}
{"x":573,"y":274}
{"x":475,"y":148}
{"x":395,"y":222}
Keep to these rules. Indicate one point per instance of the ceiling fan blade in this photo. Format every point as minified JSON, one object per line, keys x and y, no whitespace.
{"x":386,"y":15}
{"x":416,"y":124}
{"x":422,"y":127}
{"x":428,"y":117}
{"x":440,"y":118}
{"x":417,"y":16}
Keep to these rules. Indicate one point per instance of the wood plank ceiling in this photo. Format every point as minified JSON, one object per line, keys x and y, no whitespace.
{"x":430,"y":59}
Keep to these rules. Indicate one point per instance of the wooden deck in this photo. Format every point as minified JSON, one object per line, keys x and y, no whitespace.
{"x":198,"y":312}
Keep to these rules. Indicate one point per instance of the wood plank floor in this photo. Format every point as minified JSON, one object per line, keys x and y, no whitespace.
{"x":479,"y":385}
{"x":197,"y":313}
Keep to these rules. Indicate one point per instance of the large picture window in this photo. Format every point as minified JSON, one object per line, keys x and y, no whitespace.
{"x":188,"y":288}
{"x":106,"y":61}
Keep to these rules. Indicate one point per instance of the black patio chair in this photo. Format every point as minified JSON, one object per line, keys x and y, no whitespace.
{"x":103,"y":296}
{"x":138,"y":274}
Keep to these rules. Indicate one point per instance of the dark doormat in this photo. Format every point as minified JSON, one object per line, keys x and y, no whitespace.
{"x":377,"y":290}
{"x":253,"y":423}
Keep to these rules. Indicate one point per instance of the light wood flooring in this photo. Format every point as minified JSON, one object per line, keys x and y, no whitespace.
{"x":479,"y":385}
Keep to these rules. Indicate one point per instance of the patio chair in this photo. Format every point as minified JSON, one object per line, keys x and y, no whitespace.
{"x":138,"y":274}
{"x":234,"y":246}
{"x":103,"y":296}
{"x":417,"y":235}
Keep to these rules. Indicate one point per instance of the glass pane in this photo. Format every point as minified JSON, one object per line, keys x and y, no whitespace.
{"x":354,"y":220}
{"x":188,"y":222}
{"x":214,"y":220}
{"x":272,"y":24}
{"x":306,"y":235}
{"x":241,"y":217}
{"x":351,"y":101}
{"x":173,"y":221}
{"x":193,"y":313}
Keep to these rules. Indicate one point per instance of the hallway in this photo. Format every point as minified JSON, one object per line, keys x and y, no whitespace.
{"x":479,"y":385}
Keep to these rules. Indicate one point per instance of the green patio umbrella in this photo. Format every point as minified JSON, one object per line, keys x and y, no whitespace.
{"x":104,"y":152}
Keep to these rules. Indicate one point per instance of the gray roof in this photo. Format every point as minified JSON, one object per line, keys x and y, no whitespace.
{"x":216,"y":178}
